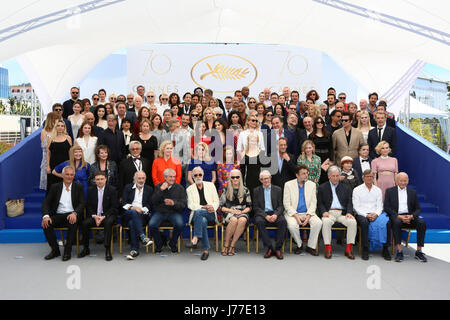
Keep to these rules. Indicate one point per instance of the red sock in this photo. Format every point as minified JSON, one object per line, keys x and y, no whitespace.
{"x":349,"y":247}
{"x":328,"y":247}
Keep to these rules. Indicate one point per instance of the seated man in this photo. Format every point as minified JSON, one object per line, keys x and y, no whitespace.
{"x":136,"y":200}
{"x":62,"y":207}
{"x":403,"y":208}
{"x":368,"y":205}
{"x":203,"y":201}
{"x":169,"y":200}
{"x":268,"y":209}
{"x":101,"y":211}
{"x":334,"y":201}
{"x":300,"y":201}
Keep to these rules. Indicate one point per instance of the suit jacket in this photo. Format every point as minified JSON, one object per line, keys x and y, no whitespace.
{"x":287,"y":171}
{"x":325,"y":197}
{"x":391,"y":202}
{"x":258,"y":201}
{"x":290,"y":197}
{"x":129,"y":192}
{"x":346,"y":149}
{"x":115,"y":142}
{"x":98,"y":131}
{"x":357,"y":167}
{"x":389,"y":135}
{"x":292,"y":141}
{"x":110,"y":202}
{"x":51,"y":202}
{"x":130,"y":116}
{"x":127,"y":169}
{"x":193,"y":198}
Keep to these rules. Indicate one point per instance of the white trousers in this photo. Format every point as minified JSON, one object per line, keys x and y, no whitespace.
{"x":337,"y":216}
{"x":314,"y":222}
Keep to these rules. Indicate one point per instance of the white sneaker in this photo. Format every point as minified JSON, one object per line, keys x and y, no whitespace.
{"x":133,"y":254}
{"x":146,"y":242}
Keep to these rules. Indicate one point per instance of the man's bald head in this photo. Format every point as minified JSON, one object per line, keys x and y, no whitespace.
{"x":402,"y":180}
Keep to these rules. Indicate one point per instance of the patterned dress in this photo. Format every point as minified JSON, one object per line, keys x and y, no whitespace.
{"x":314,"y":168}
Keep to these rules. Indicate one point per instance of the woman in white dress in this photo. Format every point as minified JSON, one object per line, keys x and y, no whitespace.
{"x":87,"y":141}
{"x":76,"y":119}
{"x":45,"y":135}
{"x":364,"y":124}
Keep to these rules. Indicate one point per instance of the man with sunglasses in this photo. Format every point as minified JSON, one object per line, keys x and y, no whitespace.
{"x":141,"y":92}
{"x":151,"y":97}
{"x":130,"y":103}
{"x":228,"y":107}
{"x":347,"y":140}
{"x":163,"y":103}
{"x":95,"y":99}
{"x":68,"y":105}
{"x":341,"y":98}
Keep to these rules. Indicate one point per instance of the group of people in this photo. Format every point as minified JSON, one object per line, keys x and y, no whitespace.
{"x":278,"y":160}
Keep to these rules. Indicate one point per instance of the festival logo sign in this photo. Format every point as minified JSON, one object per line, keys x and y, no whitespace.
{"x":224,"y":73}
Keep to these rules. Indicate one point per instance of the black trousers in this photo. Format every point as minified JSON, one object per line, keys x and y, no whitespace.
{"x":60,"y":221}
{"x":280,"y":223}
{"x":107,"y":223}
{"x":363,"y":223}
{"x":417,"y":223}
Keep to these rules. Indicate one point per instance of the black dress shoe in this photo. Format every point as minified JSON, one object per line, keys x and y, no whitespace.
{"x":386,"y":255}
{"x":174,"y":248}
{"x":298,"y":250}
{"x":84,"y":252}
{"x":312,"y":251}
{"x":52,"y":255}
{"x":66,"y":257}
{"x":205,"y":256}
{"x":190,"y":245}
{"x":108,"y":256}
{"x":365,"y":254}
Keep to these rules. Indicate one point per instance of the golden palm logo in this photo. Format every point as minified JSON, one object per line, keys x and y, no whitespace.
{"x":222,"y":72}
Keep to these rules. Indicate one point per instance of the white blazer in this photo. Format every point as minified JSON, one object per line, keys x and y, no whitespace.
{"x":290,"y":197}
{"x":211,"y":198}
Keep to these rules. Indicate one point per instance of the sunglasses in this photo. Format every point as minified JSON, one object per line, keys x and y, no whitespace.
{"x":75,"y":92}
{"x":269,"y":115}
{"x":342,"y":97}
{"x":95,"y":99}
{"x":151,"y":97}
{"x":345,"y":120}
{"x":195,"y":115}
{"x":319,"y":122}
{"x":252,"y":102}
{"x":58,"y":109}
{"x":198,"y":175}
{"x":253,"y":120}
{"x":235,"y":177}
{"x":165,"y":99}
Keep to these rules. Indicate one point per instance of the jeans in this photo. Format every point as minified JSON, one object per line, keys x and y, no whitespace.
{"x":176,"y":219}
{"x":201,"y":219}
{"x":135,"y":221}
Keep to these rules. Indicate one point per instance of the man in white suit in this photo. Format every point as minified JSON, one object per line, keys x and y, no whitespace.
{"x":300,"y":203}
{"x":203,"y":201}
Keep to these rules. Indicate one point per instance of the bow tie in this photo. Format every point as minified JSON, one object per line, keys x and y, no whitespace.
{"x":362,"y":160}
{"x":134,"y":159}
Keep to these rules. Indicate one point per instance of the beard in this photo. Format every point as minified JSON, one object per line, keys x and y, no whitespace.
{"x":140,"y":185}
{"x":198,"y":181}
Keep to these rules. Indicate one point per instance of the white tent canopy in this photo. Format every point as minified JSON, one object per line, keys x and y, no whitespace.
{"x":418,"y":109}
{"x":57,"y":49}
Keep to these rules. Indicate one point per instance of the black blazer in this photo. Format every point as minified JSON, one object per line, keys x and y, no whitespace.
{"x":287,"y":171}
{"x":258,"y":202}
{"x":127,"y":170}
{"x":51,"y":202}
{"x":110,"y":202}
{"x":115,"y":142}
{"x":389,"y":135}
{"x":130,"y":116}
{"x":357,"y":167}
{"x":129,"y":192}
{"x":325,"y":197}
{"x":391,"y":202}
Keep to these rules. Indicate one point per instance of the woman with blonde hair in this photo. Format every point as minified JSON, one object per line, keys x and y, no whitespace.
{"x":202,"y":159}
{"x":76,"y":161}
{"x":309,"y":158}
{"x":209,"y":117}
{"x":45,"y":136}
{"x":235,"y":204}
{"x":364,"y":124}
{"x":58,"y":147}
{"x":251,"y":163}
{"x":313,"y":111}
{"x":165,"y":161}
{"x":384,"y":168}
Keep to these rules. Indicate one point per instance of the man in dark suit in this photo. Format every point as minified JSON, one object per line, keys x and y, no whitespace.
{"x":285,"y":165}
{"x":113,"y":139}
{"x":129,"y":166}
{"x":268,"y":209}
{"x":279,"y":131}
{"x":68,"y":105}
{"x":382,"y":132}
{"x":304,"y":133}
{"x":62,"y":207}
{"x":363,"y":162}
{"x":136,"y":200}
{"x":402,"y":206}
{"x":122,"y":113}
{"x":334,"y":201}
{"x":101,"y":211}
{"x":390,"y":118}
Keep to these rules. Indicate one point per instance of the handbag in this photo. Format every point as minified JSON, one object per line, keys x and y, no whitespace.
{"x":15,"y":208}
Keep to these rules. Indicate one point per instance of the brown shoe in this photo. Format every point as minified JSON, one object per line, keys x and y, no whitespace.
{"x":298,"y":250}
{"x":350,"y":255}
{"x":312,"y":251}
{"x":268,"y":254}
{"x":278,"y":254}
{"x":328,"y":254}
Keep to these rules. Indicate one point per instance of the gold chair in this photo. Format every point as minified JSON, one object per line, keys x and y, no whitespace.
{"x":116,"y":226}
{"x":407,"y":239}
{"x":124,"y":228}
{"x":62,"y":235}
{"x":167,"y":226}
{"x":302,"y":228}
{"x":256,"y":231}
{"x":246,"y":235}
{"x":211,"y":225}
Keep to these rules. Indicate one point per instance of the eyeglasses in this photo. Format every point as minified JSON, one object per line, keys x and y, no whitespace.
{"x":198,"y":175}
{"x":164,"y":99}
{"x":269,"y":114}
{"x":342,"y":97}
{"x":235,"y":177}
{"x":73,"y":92}
{"x":95,"y":99}
{"x":58,"y":109}
{"x":345,"y":120}
{"x":152,"y":97}
{"x":195,"y":115}
{"x":253,"y":120}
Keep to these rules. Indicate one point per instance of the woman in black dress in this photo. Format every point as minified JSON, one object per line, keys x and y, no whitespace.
{"x":324,"y":146}
{"x":58,"y":148}
{"x":148,"y":141}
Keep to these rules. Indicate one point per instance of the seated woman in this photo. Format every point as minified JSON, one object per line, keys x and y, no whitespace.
{"x":103,"y":164}
{"x":202,"y":159}
{"x":235,"y":204}
{"x":165,"y":161}
{"x":76,"y":162}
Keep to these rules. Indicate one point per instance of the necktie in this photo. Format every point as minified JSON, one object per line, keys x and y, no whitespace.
{"x":379,"y":134}
{"x":100,"y":203}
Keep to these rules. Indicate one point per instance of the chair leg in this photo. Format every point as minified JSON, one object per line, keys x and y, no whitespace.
{"x":77,"y":240}
{"x":190,"y":235}
{"x":359,"y":242}
{"x":393,"y":243}
{"x":93,"y":238}
{"x":112,"y":241}
{"x":248,"y":239}
{"x":221,"y":236}
{"x":257,"y":240}
{"x":120,"y":240}
{"x":62,"y":236}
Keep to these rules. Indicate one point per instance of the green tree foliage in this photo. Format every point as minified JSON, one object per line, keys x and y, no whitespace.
{"x":429,"y":129}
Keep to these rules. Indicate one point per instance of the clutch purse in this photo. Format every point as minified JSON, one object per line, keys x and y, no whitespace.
{"x":15,"y":208}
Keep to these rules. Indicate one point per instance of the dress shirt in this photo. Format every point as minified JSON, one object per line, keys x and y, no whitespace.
{"x":137,"y":202}
{"x":301,"y":206}
{"x":268,"y":199}
{"x":335,"y":204}
{"x":65,"y":202}
{"x":367,"y":201}
{"x":280,"y":162}
{"x":137,"y":163}
{"x":100,"y":193}
{"x":364,"y":165}
{"x":402,"y":201}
